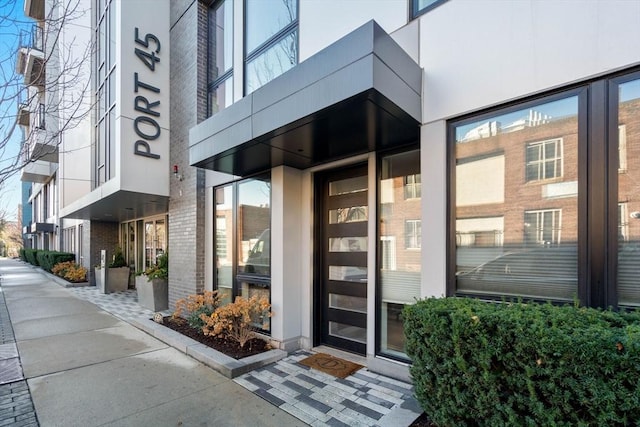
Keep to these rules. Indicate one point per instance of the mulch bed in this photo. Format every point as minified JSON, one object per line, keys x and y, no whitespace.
{"x":230,"y":348}
{"x":422,"y":421}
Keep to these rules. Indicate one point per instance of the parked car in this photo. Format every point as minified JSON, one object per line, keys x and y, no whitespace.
{"x":547,"y":273}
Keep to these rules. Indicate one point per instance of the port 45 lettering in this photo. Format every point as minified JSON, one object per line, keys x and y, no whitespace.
{"x":147,"y":99}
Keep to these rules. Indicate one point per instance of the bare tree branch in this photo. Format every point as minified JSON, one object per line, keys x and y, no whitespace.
{"x":58,"y":99}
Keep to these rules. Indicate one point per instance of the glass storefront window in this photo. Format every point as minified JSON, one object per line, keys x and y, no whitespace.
{"x":516,"y":202}
{"x":628,"y":149}
{"x":400,"y":253}
{"x":243,"y":240}
{"x":143,"y":241}
{"x":224,"y":242}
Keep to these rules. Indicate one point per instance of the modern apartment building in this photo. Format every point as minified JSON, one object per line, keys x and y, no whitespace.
{"x":279,"y":147}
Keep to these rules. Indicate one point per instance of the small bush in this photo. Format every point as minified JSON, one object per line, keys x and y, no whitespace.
{"x":22,"y":255}
{"x":478,"y":363}
{"x":31,"y":256}
{"x":194,"y":306}
{"x":48,"y":259}
{"x":118,"y":259}
{"x":70,"y":271}
{"x":239,"y":320}
{"x":159,"y":270}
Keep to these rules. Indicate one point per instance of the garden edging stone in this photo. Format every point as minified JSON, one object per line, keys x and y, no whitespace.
{"x":220,"y":362}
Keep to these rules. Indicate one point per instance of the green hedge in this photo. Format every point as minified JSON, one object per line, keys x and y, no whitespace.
{"x":479,"y":363}
{"x":31,"y":256}
{"x":22,"y":255}
{"x":47,"y":259}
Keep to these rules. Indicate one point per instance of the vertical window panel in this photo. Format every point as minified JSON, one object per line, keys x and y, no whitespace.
{"x":516,"y":210}
{"x":243,"y":240}
{"x":628,"y":141}
{"x":400,"y":265}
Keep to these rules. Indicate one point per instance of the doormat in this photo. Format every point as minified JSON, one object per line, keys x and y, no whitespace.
{"x":331,"y":365}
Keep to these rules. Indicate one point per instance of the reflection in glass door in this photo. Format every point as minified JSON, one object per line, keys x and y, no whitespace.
{"x":341,"y":279}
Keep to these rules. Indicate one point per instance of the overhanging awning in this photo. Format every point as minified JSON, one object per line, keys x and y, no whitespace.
{"x":360,"y":94}
{"x":42,"y":227}
{"x":118,"y":206}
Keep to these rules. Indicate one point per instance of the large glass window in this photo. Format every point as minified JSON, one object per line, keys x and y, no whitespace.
{"x":243,"y":239}
{"x":399,"y":248}
{"x":220,"y":56}
{"x":539,"y":186}
{"x":271,"y":40}
{"x":628,"y":177}
{"x":516,"y":231}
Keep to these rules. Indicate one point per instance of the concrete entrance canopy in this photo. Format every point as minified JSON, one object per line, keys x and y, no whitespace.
{"x":360,"y":94}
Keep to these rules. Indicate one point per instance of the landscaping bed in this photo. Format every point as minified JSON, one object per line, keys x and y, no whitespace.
{"x":228,"y":347}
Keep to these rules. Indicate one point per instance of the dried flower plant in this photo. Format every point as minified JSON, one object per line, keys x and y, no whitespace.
{"x":239,"y":320}
{"x":193,"y":306}
{"x":70,"y":271}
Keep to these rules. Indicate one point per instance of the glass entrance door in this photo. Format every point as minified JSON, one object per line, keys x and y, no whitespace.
{"x":341,"y":279}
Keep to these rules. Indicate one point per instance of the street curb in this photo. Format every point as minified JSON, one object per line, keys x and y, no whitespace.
{"x":219,"y":362}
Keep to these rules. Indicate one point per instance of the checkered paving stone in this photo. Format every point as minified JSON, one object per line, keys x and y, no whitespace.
{"x":362,"y":399}
{"x":123,"y":305}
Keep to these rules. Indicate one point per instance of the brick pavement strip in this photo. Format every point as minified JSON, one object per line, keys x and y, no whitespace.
{"x":17,"y":407}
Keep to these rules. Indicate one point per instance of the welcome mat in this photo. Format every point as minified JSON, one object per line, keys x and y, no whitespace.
{"x":331,"y":365}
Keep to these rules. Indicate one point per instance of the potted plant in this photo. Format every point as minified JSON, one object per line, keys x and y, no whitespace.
{"x":152,"y":285}
{"x":117,"y":274}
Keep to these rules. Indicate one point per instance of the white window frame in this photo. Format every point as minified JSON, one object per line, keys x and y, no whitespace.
{"x":543,"y":161}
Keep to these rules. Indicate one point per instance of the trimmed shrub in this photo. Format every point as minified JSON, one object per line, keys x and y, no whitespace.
{"x":47,"y":259}
{"x":31,"y":256}
{"x":479,"y":363}
{"x":22,"y":255}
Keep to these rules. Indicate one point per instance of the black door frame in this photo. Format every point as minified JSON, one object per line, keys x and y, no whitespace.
{"x":320,"y":307}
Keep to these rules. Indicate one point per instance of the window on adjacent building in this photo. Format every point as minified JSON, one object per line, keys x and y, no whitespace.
{"x":399,"y":264}
{"x":586,"y":203}
{"x":544,"y":159}
{"x":271,"y":40}
{"x":412,"y":233}
{"x":412,"y":186}
{"x":419,"y":7}
{"x":542,"y":227}
{"x":220,"y":56}
{"x":243,"y":239}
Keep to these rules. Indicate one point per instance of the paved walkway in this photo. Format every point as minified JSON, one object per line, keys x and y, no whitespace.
{"x":84,"y":367}
{"x":318,"y":399}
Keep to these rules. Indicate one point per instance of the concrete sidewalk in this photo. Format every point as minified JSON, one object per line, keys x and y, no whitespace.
{"x":85,"y":367}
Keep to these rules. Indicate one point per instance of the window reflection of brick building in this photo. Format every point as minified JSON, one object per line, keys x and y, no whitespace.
{"x":629,"y":170}
{"x":519,"y":183}
{"x":400,"y":224}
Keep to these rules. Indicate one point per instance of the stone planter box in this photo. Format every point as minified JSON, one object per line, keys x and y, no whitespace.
{"x":117,"y":280}
{"x":152,"y":294}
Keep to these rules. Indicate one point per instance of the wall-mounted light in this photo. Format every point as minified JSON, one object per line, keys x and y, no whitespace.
{"x":176,"y":174}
